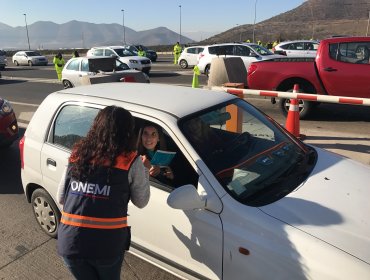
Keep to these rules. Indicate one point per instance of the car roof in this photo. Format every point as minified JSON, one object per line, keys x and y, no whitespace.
{"x":176,"y":100}
{"x":298,"y":41}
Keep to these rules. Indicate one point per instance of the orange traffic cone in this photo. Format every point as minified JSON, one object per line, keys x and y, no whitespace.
{"x":292,"y":121}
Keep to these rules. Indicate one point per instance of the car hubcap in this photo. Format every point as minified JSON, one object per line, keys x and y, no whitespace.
{"x":44,"y":214}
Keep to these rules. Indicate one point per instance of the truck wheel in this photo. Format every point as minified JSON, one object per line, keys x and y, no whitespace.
{"x":305,"y":107}
{"x":46,"y":212}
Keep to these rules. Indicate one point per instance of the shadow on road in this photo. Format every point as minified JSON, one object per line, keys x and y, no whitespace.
{"x":11,"y":81}
{"x":10,"y":169}
{"x":340,"y":113}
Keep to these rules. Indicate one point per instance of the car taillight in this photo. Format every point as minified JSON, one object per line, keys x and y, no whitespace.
{"x":128,"y":79}
{"x":21,"y":148}
{"x":252,"y":67}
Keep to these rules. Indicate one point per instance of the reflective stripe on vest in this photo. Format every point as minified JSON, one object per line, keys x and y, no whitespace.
{"x":92,"y":222}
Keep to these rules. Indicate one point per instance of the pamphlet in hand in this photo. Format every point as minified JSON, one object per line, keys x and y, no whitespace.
{"x":162,"y":158}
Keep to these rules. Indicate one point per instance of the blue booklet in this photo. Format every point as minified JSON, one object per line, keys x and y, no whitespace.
{"x":162,"y":158}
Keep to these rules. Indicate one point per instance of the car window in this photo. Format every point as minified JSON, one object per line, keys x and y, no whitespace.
{"x":242,"y":50}
{"x":109,"y":52}
{"x":85,"y":65}
{"x":123,"y":52}
{"x":249,"y":155}
{"x":191,"y":50}
{"x":98,"y":52}
{"x":71,"y":124}
{"x":120,"y":66}
{"x":260,"y":50}
{"x":73,"y":65}
{"x":353,"y":52}
{"x":199,"y":50}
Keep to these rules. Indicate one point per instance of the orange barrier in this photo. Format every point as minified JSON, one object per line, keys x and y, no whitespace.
{"x":292,"y":121}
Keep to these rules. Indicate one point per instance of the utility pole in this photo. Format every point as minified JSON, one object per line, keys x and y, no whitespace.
{"x":254,"y":23}
{"x":368,"y":21}
{"x":123,"y":26}
{"x":28,"y":38}
{"x":180,"y":25}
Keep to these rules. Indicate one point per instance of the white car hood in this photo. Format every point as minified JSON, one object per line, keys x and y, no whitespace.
{"x":332,"y":205}
{"x":138,"y":58}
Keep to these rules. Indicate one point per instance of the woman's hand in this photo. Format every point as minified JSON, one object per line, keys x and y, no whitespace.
{"x":168,"y":173}
{"x":154,"y":170}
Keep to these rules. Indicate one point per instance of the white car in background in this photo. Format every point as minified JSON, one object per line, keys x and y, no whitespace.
{"x":248,"y":52}
{"x":85,"y":70}
{"x":298,"y":48}
{"x":249,"y":201}
{"x":123,"y":54}
{"x":189,"y":56}
{"x":29,"y":58}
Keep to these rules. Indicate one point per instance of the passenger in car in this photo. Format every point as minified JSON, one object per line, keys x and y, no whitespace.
{"x":151,"y":139}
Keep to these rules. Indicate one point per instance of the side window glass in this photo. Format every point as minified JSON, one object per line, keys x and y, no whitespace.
{"x":109,"y":53}
{"x":170,"y":168}
{"x":213,"y":50}
{"x":74,"y":65}
{"x":242,"y":50}
{"x":85,"y":65}
{"x":191,"y":50}
{"x":229,"y":50}
{"x":199,"y":50}
{"x":98,"y":52}
{"x":72,"y":123}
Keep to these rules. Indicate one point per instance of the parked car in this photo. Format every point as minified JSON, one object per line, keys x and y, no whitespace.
{"x":248,"y":200}
{"x":248,"y":52}
{"x":298,"y":48}
{"x":87,"y":70}
{"x":189,"y":56}
{"x":8,"y":124}
{"x":124,"y":55}
{"x":151,"y":54}
{"x":29,"y":58}
{"x":340,"y":68}
{"x":3,"y":60}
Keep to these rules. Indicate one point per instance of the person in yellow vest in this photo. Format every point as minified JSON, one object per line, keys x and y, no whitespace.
{"x":75,"y":54}
{"x":59,"y":64}
{"x":275,"y":43}
{"x":248,"y":41}
{"x":195,"y":83}
{"x":176,"y":52}
{"x":141,"y":52}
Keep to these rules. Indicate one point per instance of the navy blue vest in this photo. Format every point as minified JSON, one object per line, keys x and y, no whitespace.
{"x":94,"y":217}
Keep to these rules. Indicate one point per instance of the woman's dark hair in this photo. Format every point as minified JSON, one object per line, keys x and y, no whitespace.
{"x":161,"y":145}
{"x":110,"y":135}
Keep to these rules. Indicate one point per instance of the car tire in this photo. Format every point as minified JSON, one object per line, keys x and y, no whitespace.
{"x":16,"y":63}
{"x":305,"y":107}
{"x":67,"y":84}
{"x":183,"y":64}
{"x":207,"y":69}
{"x":46,"y":212}
{"x":30,"y":63}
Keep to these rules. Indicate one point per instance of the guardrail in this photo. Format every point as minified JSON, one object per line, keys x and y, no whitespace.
{"x":292,"y":95}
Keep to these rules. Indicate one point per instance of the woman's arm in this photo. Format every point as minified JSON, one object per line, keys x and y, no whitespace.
{"x":138,"y":177}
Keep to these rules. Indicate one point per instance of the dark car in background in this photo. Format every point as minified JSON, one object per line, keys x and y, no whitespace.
{"x":8,"y":124}
{"x":152,"y":55}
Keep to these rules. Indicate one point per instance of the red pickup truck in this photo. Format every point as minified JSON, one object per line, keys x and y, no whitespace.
{"x":341,"y":68}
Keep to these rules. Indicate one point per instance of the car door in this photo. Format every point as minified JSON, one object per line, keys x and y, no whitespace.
{"x":72,"y":72}
{"x":23,"y":58}
{"x":71,"y":122}
{"x":190,"y":241}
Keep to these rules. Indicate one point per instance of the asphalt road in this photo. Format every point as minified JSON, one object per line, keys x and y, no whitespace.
{"x":27,"y":253}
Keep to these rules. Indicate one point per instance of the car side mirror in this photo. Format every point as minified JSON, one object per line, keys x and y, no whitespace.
{"x":186,"y":198}
{"x":252,"y":54}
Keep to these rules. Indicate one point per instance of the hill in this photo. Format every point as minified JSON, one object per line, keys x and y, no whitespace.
{"x":76,"y":34}
{"x":316,"y":19}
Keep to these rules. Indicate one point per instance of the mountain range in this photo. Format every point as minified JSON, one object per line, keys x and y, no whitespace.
{"x":76,"y":34}
{"x":316,"y":19}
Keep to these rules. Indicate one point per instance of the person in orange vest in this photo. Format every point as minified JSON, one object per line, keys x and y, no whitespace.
{"x":176,"y":52}
{"x":59,"y":62}
{"x":104,"y":173}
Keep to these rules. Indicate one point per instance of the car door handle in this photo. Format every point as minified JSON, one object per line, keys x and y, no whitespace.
{"x":52,"y":162}
{"x":330,"y":69}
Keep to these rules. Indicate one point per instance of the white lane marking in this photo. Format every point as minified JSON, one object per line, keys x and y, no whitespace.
{"x":25,"y":116}
{"x":35,"y":80}
{"x":24,"y":104}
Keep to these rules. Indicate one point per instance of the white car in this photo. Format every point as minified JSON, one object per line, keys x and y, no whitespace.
{"x":77,"y":70}
{"x":29,"y":58}
{"x":189,"y":56}
{"x":249,"y":201}
{"x":124,"y":55}
{"x":248,"y":52}
{"x":299,"y":48}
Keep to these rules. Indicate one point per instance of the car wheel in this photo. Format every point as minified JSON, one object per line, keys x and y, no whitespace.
{"x":30,"y":63}
{"x":67,"y":84}
{"x":305,"y":107}
{"x":207,"y":69}
{"x":183,"y":64}
{"x":46,"y":212}
{"x":16,"y":63}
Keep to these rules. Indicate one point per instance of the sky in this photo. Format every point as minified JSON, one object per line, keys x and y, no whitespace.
{"x":201,"y":17}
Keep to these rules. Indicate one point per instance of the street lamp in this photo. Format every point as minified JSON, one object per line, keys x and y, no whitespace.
{"x":180,"y":25}
{"x":28,"y":38}
{"x":255,"y":16}
{"x":123,"y":26}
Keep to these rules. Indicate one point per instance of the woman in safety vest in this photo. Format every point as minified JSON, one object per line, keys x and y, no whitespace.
{"x":59,"y":62}
{"x":103,"y":174}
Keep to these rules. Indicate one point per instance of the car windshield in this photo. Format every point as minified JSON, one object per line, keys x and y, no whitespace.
{"x":124,"y":52}
{"x":33,"y":54}
{"x":260,"y":50}
{"x":250,"y":155}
